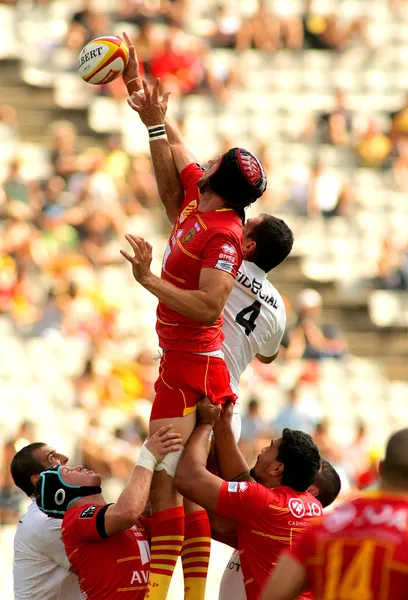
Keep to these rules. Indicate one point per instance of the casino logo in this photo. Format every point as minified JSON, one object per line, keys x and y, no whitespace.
{"x":189,"y":235}
{"x":296,"y":507}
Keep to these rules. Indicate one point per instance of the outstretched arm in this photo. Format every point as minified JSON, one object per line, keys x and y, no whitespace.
{"x":232,"y":464}
{"x":132,"y":501}
{"x":170,"y":190}
{"x":203,"y":305}
{"x":192,"y":479}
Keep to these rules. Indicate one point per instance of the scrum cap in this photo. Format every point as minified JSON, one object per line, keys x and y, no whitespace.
{"x":240,"y":178}
{"x":54,"y":495}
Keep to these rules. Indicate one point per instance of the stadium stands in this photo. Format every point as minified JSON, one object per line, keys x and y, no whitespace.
{"x":336,"y":172}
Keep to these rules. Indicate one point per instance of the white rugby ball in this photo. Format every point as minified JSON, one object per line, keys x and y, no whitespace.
{"x":103,"y":60}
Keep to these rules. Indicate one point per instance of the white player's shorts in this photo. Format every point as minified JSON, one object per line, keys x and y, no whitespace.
{"x":232,"y":582}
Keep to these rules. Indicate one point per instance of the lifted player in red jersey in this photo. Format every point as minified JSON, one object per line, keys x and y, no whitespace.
{"x":360,"y":550}
{"x":271,"y":510}
{"x":106,"y":544}
{"x":199,"y":268}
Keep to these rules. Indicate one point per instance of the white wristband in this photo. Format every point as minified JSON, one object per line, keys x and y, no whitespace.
{"x":146,"y":459}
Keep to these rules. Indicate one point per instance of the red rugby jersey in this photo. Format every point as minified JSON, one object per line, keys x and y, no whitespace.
{"x":106,"y":567}
{"x":199,"y":240}
{"x":268,"y":521}
{"x":359,"y":551}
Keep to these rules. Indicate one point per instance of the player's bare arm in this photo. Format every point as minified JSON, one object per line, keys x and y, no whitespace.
{"x":287,"y":581}
{"x":203,"y":305}
{"x":267,"y":360}
{"x":152,"y":111}
{"x":132,"y":501}
{"x":192,"y":479}
{"x":232,"y":464}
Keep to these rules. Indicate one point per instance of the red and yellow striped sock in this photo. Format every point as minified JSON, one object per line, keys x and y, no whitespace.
{"x":195,"y":554}
{"x":167,"y":529}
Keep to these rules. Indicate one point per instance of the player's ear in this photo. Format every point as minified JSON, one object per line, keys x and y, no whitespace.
{"x":248,"y":245}
{"x":277,"y":469}
{"x":34,"y":479}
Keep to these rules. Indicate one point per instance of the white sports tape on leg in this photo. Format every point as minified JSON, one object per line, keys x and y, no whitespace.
{"x":170,"y":462}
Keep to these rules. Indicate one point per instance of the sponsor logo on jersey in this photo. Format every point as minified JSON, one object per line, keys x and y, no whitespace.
{"x":224,"y":265}
{"x":226,"y":257}
{"x":296,"y":507}
{"x":243,"y":486}
{"x":88,"y":513}
{"x":139,"y":577}
{"x":197,"y":227}
{"x":228,"y":249}
{"x":256,"y":288}
{"x":232,"y":486}
{"x":189,"y":235}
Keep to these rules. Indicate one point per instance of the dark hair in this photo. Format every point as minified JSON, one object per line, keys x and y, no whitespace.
{"x":328,"y":483}
{"x":395,"y":463}
{"x":274,"y":241}
{"x":24,"y":465}
{"x":301,"y":459}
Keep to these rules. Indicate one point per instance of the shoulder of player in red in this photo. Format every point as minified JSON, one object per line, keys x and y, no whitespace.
{"x":370,"y":516}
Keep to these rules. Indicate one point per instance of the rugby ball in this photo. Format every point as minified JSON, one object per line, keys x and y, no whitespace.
{"x":103,"y":60}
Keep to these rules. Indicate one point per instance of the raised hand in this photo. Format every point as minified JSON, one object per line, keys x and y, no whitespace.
{"x":151,"y":108}
{"x":141,"y":258}
{"x":164,"y":441}
{"x":132,"y":69}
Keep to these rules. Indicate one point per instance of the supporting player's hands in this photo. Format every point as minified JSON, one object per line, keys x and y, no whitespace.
{"x":132,"y":68}
{"x":164,"y":441}
{"x":141,"y":259}
{"x":207,"y":413}
{"x":225,"y":420}
{"x":151,"y":108}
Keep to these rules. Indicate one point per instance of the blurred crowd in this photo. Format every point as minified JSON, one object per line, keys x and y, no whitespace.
{"x":60,"y":235}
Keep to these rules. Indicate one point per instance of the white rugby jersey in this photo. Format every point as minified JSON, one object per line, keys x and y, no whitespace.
{"x":254,"y":320}
{"x":40,"y":565}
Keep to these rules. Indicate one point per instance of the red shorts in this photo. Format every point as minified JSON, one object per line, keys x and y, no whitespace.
{"x":184,"y":379}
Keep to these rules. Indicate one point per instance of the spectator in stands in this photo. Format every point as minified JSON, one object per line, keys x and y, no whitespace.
{"x":292,"y":416}
{"x":391,"y":273}
{"x":337,"y":125}
{"x":324,"y":31}
{"x":224,"y":27}
{"x":399,"y":123}
{"x":9,"y":128}
{"x":261,"y":31}
{"x":311,"y":339}
{"x":179,"y":69}
{"x":320,"y":194}
{"x":64,"y":156}
{"x":252,"y":422}
{"x":15,"y":187}
{"x":400,"y":166}
{"x":374,"y":146}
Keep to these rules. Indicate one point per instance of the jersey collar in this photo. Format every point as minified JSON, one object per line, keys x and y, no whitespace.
{"x":257,"y":271}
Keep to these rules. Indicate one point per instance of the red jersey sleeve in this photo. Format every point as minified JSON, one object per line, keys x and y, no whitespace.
{"x":86,"y":523}
{"x":240,"y":501}
{"x":190,"y":175}
{"x":222,"y":251}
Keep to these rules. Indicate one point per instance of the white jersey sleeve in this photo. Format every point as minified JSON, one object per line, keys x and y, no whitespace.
{"x":254,"y":320}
